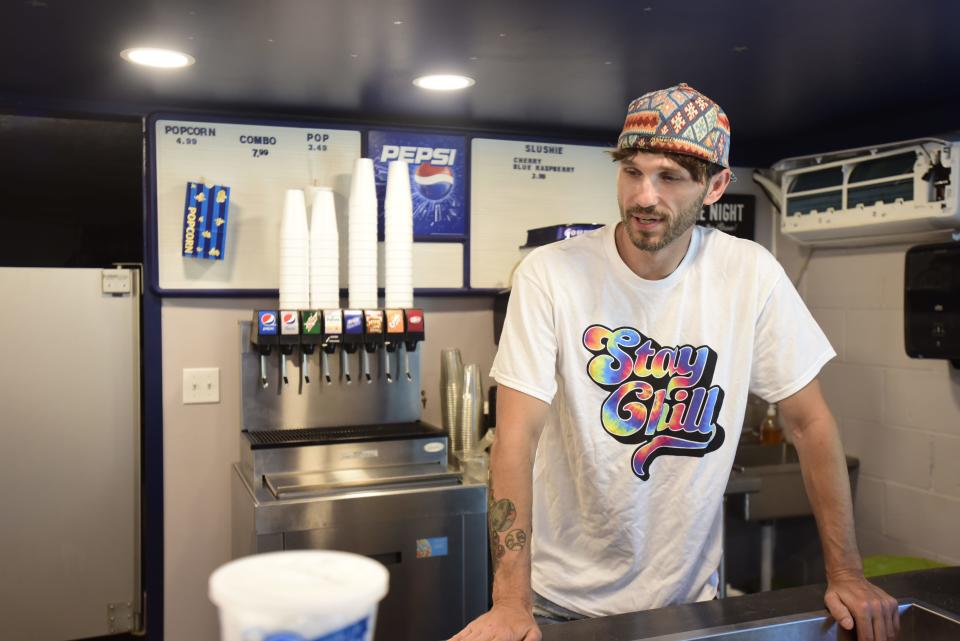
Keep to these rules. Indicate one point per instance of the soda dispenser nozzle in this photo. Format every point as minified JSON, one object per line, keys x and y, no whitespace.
{"x":264,"y":336}
{"x":332,"y":337}
{"x":392,"y":339}
{"x":415,"y":332}
{"x":372,"y":337}
{"x":352,"y":338}
{"x":289,"y":339}
{"x":311,"y":335}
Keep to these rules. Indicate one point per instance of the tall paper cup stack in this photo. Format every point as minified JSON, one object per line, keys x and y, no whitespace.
{"x":362,"y":258}
{"x":310,"y":194}
{"x":294,"y":253}
{"x":398,"y":237}
{"x":324,"y":252}
{"x":309,"y":594}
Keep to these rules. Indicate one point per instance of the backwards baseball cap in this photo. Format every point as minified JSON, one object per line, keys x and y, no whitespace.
{"x":680,"y":120}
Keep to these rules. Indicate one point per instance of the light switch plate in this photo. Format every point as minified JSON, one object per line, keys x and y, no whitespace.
{"x":201,"y":385}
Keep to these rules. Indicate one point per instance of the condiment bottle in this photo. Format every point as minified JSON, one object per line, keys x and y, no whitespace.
{"x":770,"y":432}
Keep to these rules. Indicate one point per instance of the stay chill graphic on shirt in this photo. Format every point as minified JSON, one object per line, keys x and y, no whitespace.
{"x":660,"y":398}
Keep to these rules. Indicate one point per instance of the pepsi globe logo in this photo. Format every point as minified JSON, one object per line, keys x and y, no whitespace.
{"x":267,"y":319}
{"x":433,"y":182}
{"x":289,"y":317}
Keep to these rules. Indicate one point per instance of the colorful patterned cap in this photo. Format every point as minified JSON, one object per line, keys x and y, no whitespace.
{"x":680,"y":120}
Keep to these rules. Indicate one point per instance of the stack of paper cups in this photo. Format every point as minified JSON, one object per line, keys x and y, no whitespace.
{"x":294,"y":253}
{"x":324,"y":252}
{"x":310,"y":194}
{"x":362,"y":258}
{"x":398,"y":237}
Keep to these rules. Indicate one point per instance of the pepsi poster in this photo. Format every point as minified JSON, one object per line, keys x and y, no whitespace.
{"x":437,"y":179}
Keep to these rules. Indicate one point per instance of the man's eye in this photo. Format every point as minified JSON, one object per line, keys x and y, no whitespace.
{"x":670,"y":178}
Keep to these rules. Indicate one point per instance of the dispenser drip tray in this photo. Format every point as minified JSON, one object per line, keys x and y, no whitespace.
{"x":263,"y":439}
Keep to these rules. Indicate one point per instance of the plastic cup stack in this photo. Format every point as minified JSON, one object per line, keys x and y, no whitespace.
{"x":307,"y":594}
{"x":471,"y":409}
{"x":294,"y":253}
{"x":324,"y":252}
{"x":362,"y":255}
{"x":451,"y":394}
{"x":398,"y":237}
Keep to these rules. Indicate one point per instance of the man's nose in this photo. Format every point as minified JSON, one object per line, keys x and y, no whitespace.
{"x":645,"y":194}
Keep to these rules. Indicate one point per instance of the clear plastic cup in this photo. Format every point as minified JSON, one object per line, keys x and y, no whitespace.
{"x":299,"y":596}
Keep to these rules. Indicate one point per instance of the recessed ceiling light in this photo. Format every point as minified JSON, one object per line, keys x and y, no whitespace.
{"x":444,"y":82}
{"x":161,"y":58}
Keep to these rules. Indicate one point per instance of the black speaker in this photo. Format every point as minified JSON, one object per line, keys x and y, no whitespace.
{"x":931,"y":304}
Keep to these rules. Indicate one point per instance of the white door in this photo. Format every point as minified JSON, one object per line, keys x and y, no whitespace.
{"x":69,"y":455}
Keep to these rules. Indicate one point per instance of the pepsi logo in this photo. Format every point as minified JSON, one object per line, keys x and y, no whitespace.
{"x":289,"y":317}
{"x":433,"y":182}
{"x":268,"y":318}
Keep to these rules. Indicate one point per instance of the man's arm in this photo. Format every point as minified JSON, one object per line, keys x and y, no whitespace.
{"x":849,"y":596}
{"x":520,"y":420}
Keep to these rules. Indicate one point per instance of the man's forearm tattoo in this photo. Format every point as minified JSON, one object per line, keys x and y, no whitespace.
{"x":516,"y":539}
{"x":501,"y":515}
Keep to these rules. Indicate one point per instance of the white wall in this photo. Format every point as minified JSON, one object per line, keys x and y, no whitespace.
{"x":201,"y":442}
{"x":899,"y":416}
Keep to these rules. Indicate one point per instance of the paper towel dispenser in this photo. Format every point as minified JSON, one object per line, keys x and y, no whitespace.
{"x":931,"y":303}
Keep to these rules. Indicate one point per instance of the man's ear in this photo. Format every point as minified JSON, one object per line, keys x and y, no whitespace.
{"x":717,"y":185}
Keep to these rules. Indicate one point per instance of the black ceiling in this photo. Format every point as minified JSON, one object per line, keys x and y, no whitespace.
{"x":794,"y":77}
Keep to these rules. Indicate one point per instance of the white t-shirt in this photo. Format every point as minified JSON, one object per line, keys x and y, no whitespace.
{"x":647,"y":383}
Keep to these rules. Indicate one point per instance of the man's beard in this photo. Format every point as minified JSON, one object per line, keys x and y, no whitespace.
{"x":675,"y":225}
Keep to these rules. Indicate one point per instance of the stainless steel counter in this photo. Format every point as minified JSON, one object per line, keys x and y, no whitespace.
{"x":716,"y":620}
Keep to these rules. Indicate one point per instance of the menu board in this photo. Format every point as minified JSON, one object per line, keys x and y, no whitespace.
{"x":258,"y":162}
{"x":520,"y":185}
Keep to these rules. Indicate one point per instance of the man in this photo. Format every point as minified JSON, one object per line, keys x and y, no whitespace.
{"x":624,"y":365}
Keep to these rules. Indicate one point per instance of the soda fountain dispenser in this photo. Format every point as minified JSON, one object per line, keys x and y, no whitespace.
{"x":332,"y":337}
{"x":372,"y":338}
{"x":352,"y":338}
{"x":393,"y":338}
{"x":264,"y":336}
{"x":289,"y":339}
{"x":311,"y":336}
{"x":414,"y":334}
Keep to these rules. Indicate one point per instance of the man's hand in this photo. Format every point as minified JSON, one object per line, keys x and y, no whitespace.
{"x":510,"y":621}
{"x":852,"y":600}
